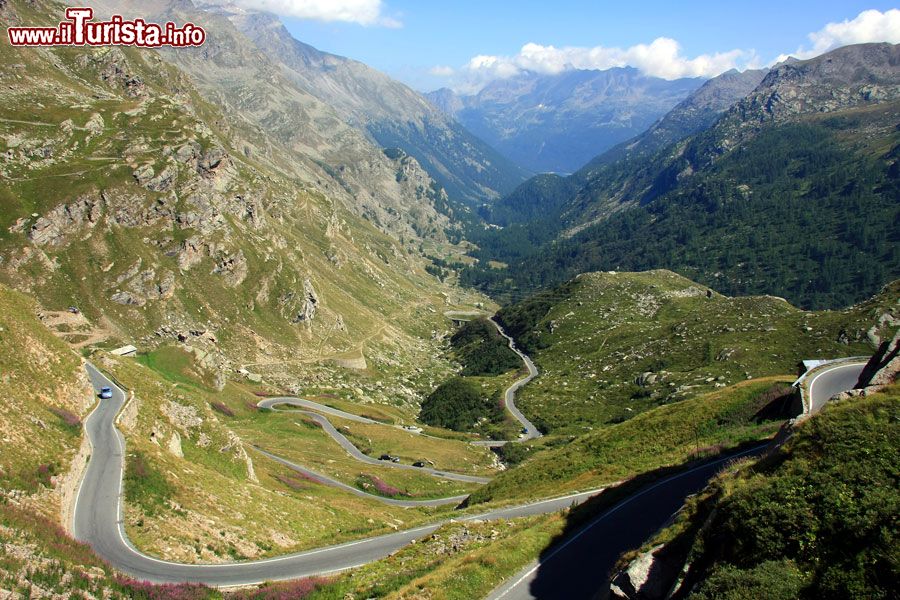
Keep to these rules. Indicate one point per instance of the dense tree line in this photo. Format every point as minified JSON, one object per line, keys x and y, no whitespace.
{"x":795,"y":212}
{"x":459,"y":405}
{"x":482,"y":350}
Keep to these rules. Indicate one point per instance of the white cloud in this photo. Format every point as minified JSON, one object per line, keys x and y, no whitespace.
{"x":660,"y":58}
{"x":362,"y":12}
{"x":868,"y":26}
{"x":442,"y":71}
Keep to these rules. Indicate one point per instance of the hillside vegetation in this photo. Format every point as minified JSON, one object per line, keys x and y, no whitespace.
{"x":818,"y":520}
{"x":460,"y":405}
{"x":792,"y":191}
{"x":611,"y":345}
{"x":45,"y":396}
{"x":480,"y":348}
{"x":665,"y":436}
{"x":164,"y":223}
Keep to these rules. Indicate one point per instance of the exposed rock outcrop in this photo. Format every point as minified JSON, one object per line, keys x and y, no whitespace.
{"x":310,"y":303}
{"x":883,"y":368}
{"x":175,"y":445}
{"x":65,"y":220}
{"x":233,"y":267}
{"x":144,"y":286}
{"x":181,"y":416}
{"x":646,"y":578}
{"x":191,"y":252}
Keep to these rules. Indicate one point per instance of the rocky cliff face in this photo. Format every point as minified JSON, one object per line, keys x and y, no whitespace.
{"x":697,"y":112}
{"x":844,"y":79}
{"x":882,"y":370}
{"x":291,"y":130}
{"x":848,"y":77}
{"x":162,"y":200}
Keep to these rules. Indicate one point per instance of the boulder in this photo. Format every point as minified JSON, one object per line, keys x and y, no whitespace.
{"x":162,"y":182}
{"x":646,"y":578}
{"x":884,"y":366}
{"x":233,"y":267}
{"x":211,"y":160}
{"x":144,"y":174}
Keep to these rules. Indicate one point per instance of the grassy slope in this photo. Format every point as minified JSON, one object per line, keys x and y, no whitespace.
{"x":819,"y":520}
{"x":595,"y":336}
{"x":667,"y":435}
{"x":39,"y":374}
{"x":458,"y":562}
{"x":375,"y":300}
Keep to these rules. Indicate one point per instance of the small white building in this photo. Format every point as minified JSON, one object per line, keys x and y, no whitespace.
{"x":124,"y":351}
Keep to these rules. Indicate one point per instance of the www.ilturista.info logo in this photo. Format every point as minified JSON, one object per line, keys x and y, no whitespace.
{"x":79,"y":30}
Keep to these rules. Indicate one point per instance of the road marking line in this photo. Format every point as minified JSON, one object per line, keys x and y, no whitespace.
{"x":615,"y":509}
{"x":812,"y":382}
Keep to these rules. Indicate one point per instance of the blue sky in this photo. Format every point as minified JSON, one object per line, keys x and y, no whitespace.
{"x":408,"y":39}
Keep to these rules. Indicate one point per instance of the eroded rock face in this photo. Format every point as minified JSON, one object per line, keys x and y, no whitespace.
{"x":211,"y":160}
{"x":183,"y":417}
{"x":144,"y":174}
{"x":188,"y":153}
{"x":143,"y":286}
{"x":115,"y":70}
{"x":646,"y":578}
{"x":65,"y":220}
{"x":884,"y":367}
{"x":191,"y":252}
{"x":310,"y":303}
{"x":233,"y":267}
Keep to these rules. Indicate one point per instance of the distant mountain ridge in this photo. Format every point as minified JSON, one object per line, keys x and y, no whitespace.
{"x":392,"y":114}
{"x":547,"y":194}
{"x":557,"y":123}
{"x":791,"y":191}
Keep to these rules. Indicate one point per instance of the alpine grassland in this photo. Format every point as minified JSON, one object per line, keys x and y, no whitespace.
{"x":815,"y":520}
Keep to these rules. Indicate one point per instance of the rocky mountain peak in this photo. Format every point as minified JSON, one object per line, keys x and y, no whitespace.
{"x":843,"y":78}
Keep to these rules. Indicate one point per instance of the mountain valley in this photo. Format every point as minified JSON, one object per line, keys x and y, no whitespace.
{"x":333,"y":339}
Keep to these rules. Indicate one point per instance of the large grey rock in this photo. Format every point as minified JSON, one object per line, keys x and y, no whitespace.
{"x":64,"y":220}
{"x":646,"y":578}
{"x":307,"y":311}
{"x":233,"y":267}
{"x":884,"y":366}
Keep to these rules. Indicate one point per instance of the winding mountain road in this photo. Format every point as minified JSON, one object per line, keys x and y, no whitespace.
{"x":351,"y":449}
{"x":530,"y":431}
{"x":561,"y":573}
{"x":98,"y":520}
{"x":98,"y":515}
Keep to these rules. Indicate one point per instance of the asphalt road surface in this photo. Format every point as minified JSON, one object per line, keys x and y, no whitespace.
{"x":98,"y":521}
{"x":831,"y":381}
{"x":577,"y":568}
{"x":529,"y":431}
